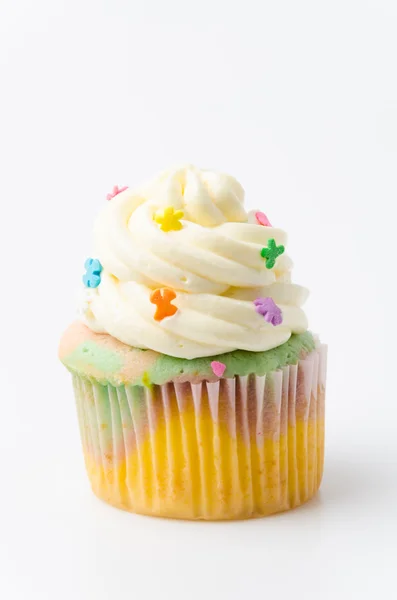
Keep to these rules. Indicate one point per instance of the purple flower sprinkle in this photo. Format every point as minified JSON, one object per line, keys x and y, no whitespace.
{"x":269,"y":310}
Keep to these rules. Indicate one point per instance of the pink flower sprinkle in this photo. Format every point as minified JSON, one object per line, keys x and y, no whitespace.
{"x":218,"y":368}
{"x":262,"y":219}
{"x":116,"y":190}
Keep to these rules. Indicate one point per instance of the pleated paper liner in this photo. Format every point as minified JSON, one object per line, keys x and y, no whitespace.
{"x":238,"y":448}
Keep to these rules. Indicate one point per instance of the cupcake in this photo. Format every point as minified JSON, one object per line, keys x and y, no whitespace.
{"x":199,"y":389}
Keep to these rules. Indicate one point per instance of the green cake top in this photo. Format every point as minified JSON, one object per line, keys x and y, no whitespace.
{"x":102,"y":357}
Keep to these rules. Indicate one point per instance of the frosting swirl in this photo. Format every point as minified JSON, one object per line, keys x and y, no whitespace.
{"x":213,"y":264}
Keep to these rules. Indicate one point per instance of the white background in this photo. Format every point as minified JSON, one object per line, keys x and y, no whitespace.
{"x":298,"y":100}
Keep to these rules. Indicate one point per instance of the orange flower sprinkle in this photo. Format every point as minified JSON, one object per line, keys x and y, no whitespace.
{"x":162,"y":298}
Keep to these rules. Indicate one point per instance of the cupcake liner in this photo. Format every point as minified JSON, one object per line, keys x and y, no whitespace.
{"x":237,"y":448}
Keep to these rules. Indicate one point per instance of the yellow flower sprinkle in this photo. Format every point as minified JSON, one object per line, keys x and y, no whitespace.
{"x":146,"y":379}
{"x":169,"y":219}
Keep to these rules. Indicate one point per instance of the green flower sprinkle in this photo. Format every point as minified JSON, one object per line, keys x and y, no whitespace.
{"x":271,"y":253}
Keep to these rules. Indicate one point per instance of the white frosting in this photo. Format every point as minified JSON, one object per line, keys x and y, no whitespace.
{"x":213,"y":264}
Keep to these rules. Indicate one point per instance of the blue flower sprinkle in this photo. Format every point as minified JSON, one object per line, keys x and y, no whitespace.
{"x":92,"y":278}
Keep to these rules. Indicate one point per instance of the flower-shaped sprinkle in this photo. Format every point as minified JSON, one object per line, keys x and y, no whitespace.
{"x":169,"y":219}
{"x":218,"y":368}
{"x":146,"y":379}
{"x":262,"y":219}
{"x":271,"y":253}
{"x":269,"y":310}
{"x":162,"y":298}
{"x":92,"y":277}
{"x":116,"y":190}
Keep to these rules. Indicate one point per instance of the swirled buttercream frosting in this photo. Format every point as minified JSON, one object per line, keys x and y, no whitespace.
{"x":183,"y":269}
